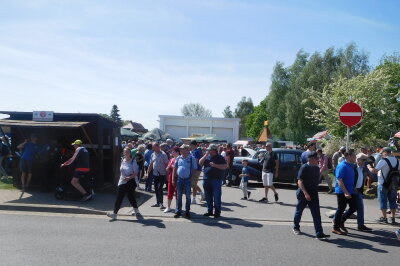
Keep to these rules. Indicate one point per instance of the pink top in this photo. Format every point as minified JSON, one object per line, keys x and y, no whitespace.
{"x":323,"y":163}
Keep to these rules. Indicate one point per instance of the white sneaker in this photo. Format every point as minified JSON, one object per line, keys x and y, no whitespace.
{"x":112,"y":215}
{"x":167,"y":210}
{"x":135,"y":211}
{"x":202,"y":196}
{"x":194,"y":200}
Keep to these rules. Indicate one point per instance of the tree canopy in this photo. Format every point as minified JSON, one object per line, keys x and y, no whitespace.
{"x":195,"y":110}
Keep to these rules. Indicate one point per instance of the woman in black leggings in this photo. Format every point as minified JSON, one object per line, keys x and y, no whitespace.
{"x":126,"y":185}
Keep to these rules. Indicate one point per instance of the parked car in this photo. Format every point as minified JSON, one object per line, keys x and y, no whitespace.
{"x":289,"y":165}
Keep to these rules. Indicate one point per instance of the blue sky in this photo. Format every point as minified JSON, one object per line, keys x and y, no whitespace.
{"x":151,"y":57}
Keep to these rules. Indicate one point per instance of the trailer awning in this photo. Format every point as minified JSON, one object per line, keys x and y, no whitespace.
{"x":29,"y":123}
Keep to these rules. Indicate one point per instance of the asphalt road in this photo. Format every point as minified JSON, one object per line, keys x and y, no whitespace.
{"x":48,"y":239}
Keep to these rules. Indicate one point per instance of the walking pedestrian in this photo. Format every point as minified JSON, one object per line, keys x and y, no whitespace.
{"x":213,"y":173}
{"x":126,"y":184}
{"x":307,"y":195}
{"x":361,"y":174}
{"x":229,"y":157}
{"x":336,"y":156}
{"x":171,"y":185}
{"x":158,"y":166}
{"x":184,"y":166}
{"x":344,"y":188}
{"x":197,"y":154}
{"x":149,"y":175}
{"x":388,"y":192}
{"x":270,"y":164}
{"x":323,"y":168}
{"x":245,"y":179}
{"x":311,"y":146}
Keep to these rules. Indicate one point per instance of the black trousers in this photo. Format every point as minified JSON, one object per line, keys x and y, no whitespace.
{"x":342,"y":204}
{"x":126,"y":189}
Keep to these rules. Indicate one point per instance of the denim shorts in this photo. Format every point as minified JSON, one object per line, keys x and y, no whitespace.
{"x":384,"y":195}
{"x":26,"y":166}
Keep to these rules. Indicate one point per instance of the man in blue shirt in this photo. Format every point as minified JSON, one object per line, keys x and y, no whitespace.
{"x":307,"y":194}
{"x":344,"y":189}
{"x":197,"y":154}
{"x":213,"y":173}
{"x":185,"y":164}
{"x":304,"y":156}
{"x":30,"y":150}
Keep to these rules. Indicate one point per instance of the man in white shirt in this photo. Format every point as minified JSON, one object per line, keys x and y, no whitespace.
{"x":385,"y":195}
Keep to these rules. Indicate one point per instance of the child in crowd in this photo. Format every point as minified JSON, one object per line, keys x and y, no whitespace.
{"x":245,"y":179}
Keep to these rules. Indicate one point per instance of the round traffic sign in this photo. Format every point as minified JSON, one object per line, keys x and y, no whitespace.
{"x":350,"y":114}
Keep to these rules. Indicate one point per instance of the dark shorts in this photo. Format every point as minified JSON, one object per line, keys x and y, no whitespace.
{"x":79,"y":174}
{"x":26,"y":166}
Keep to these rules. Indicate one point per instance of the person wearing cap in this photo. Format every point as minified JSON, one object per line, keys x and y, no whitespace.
{"x":361,"y":174}
{"x":197,"y":154}
{"x":344,"y":189}
{"x":385,"y":194}
{"x":30,"y":149}
{"x":81,"y":164}
{"x":213,"y":173}
{"x":184,"y":167}
{"x":307,"y":195}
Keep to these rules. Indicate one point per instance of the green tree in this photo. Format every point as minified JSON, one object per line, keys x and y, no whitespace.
{"x":255,"y":121}
{"x":195,"y":110}
{"x":373,"y":92}
{"x":243,"y":109}
{"x":227,"y":113}
{"x":114,"y":115}
{"x":287,"y":103}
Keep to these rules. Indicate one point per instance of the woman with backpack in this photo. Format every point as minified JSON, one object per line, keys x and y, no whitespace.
{"x":127,"y":184}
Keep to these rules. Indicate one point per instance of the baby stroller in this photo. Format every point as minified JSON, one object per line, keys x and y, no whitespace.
{"x":65,"y":190}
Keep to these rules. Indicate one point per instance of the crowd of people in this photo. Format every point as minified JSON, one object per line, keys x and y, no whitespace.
{"x":179,"y":167}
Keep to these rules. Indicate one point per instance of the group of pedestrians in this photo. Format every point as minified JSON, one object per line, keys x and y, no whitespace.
{"x":351,"y":173}
{"x":181,"y":172}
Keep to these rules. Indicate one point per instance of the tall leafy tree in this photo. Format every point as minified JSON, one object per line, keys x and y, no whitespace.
{"x":115,"y":116}
{"x":243,"y":109}
{"x":195,"y":110}
{"x":255,"y":121}
{"x":227,"y":113}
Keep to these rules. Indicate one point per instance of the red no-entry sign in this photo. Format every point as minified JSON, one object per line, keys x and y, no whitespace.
{"x":350,"y":114}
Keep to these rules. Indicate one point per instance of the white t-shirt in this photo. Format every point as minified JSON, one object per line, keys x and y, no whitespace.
{"x":127,"y":169}
{"x":384,"y":168}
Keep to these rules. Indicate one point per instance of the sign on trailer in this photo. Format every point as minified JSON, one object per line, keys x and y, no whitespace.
{"x":42,"y":116}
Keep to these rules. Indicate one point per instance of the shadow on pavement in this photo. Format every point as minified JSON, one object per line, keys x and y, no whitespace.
{"x":224,"y":223}
{"x":145,"y":222}
{"x":351,"y":240}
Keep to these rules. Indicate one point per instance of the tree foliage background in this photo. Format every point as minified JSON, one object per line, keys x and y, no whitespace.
{"x":195,"y":110}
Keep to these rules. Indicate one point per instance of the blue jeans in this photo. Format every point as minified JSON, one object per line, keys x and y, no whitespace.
{"x":149,"y":181}
{"x":213,"y":192}
{"x":360,"y":209}
{"x":183,"y":184}
{"x":384,"y":196}
{"x":314,"y":208}
{"x":159,"y":182}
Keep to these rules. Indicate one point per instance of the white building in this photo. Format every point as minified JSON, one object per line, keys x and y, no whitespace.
{"x":182,"y":126}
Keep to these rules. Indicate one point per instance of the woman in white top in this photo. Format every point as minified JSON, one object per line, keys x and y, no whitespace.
{"x":127,"y":184}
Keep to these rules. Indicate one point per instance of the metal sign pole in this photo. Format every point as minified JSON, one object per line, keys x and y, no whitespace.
{"x":348,"y":139}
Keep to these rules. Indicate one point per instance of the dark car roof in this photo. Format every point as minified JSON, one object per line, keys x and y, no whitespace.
{"x":287,"y":150}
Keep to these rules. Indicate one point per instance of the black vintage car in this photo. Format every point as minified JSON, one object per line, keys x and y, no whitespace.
{"x":289,"y":165}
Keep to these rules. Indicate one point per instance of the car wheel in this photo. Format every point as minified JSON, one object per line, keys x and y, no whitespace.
{"x":235,"y":179}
